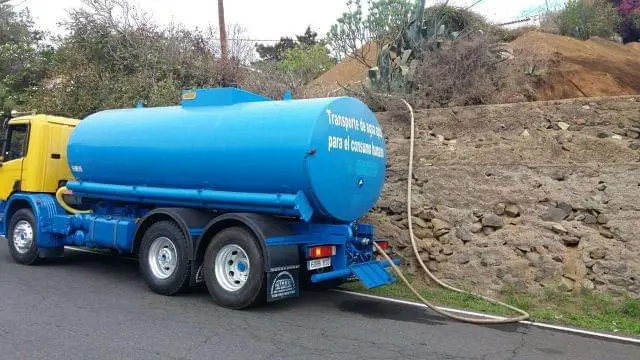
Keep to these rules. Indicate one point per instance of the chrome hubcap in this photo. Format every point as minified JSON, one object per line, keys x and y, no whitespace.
{"x":232,"y":267}
{"x":163,"y":258}
{"x":22,"y":236}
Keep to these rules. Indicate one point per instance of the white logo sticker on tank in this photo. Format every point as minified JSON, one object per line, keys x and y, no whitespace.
{"x":354,"y":142}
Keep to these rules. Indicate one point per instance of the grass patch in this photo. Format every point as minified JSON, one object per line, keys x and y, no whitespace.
{"x":585,"y":309}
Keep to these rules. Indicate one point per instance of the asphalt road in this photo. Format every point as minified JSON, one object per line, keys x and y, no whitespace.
{"x":88,"y":306}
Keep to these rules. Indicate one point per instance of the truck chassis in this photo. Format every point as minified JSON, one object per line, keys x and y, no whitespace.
{"x":244,"y":259}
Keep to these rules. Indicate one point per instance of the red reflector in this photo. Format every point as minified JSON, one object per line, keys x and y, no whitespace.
{"x":322,"y":251}
{"x":384,"y":245}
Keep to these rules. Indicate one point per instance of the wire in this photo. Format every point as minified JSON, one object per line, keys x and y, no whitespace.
{"x":248,"y":39}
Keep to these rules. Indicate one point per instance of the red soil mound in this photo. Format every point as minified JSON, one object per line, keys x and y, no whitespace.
{"x":346,"y":72}
{"x":576,"y":68}
{"x":596,"y":67}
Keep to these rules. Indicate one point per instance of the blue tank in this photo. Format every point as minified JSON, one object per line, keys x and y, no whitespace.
{"x":228,"y":149}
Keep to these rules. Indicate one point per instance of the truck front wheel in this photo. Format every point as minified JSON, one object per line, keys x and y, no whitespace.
{"x":234,"y":269}
{"x":21,"y":237}
{"x":163,"y":258}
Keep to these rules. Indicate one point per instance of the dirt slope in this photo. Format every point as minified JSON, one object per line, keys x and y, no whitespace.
{"x":346,"y":72}
{"x":578,"y":68}
{"x":575,"y":68}
{"x":527,"y":195}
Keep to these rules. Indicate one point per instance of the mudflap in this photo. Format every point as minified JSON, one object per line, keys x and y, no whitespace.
{"x":283,"y":273}
{"x":372,"y":274}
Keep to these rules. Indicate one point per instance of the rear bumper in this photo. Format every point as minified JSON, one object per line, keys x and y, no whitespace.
{"x":343,"y":273}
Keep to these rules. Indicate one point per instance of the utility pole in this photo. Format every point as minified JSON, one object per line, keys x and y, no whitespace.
{"x":223,"y":31}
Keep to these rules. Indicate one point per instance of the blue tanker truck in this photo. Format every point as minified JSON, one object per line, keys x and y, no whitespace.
{"x":252,"y":197}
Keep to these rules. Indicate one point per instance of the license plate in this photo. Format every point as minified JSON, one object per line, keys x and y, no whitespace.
{"x":318,"y":263}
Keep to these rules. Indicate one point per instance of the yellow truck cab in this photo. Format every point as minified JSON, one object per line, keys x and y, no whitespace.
{"x":34,"y":155}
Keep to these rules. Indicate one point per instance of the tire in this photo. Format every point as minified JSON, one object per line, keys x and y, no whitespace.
{"x":24,"y":250}
{"x":170,"y":275}
{"x":231,"y":286}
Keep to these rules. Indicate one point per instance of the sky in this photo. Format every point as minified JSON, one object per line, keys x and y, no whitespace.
{"x":262,"y":19}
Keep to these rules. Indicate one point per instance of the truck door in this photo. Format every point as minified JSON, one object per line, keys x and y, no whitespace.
{"x":13,"y":152}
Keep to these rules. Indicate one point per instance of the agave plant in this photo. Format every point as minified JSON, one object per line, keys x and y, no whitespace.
{"x":426,"y":26}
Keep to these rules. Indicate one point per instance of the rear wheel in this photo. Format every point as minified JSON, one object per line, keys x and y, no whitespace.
{"x":163,"y":258}
{"x":234,"y":269}
{"x":22,"y":237}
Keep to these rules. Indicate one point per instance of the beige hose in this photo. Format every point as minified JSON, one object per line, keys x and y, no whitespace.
{"x":66,"y":206}
{"x":395,"y":268}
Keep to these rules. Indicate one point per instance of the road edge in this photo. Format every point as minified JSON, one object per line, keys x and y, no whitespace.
{"x":595,"y":334}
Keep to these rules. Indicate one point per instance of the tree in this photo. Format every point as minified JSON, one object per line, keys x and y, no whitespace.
{"x":114,"y":56}
{"x":277,"y":51}
{"x":308,"y":39}
{"x":383,"y":22}
{"x":629,"y":10}
{"x":626,"y":7}
{"x":307,"y":62}
{"x":24,"y":58}
{"x":289,"y":64}
{"x":583,"y":19}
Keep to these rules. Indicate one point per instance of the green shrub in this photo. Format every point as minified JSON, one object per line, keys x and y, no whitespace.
{"x":307,"y":62}
{"x":583,"y":19}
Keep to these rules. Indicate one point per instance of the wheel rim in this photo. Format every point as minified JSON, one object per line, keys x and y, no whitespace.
{"x":22,"y":236}
{"x":163,"y":257}
{"x":232,"y":267}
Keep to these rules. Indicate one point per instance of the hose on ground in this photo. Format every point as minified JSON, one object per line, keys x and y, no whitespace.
{"x":524,"y":315}
{"x":59,"y":196}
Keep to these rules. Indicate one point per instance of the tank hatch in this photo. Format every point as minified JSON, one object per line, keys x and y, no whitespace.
{"x":218,"y":97}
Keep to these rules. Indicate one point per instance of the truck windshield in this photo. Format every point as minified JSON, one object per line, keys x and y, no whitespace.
{"x":15,"y":145}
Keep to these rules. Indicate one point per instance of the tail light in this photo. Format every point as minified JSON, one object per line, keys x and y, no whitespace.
{"x":316,"y":252}
{"x":384,"y":245}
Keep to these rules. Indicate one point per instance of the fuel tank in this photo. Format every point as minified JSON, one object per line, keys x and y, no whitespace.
{"x":232,"y":150}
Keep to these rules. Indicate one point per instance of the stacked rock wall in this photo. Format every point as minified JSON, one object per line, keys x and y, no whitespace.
{"x":523,"y":196}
